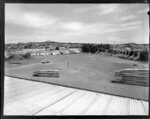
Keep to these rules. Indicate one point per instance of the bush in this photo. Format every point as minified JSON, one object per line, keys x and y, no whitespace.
{"x":93,"y":48}
{"x":115,"y":51}
{"x":131,"y":53}
{"x":144,"y":55}
{"x":27,"y":55}
{"x":57,"y":48}
{"x":135,"y":53}
{"x":127,"y":52}
{"x":18,"y":57}
{"x":11,"y":57}
{"x":100,"y":50}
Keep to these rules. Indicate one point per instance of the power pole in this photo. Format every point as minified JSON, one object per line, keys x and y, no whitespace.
{"x":68,"y":62}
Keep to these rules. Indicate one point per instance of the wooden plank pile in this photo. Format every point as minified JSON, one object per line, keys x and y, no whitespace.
{"x":47,"y":73}
{"x":133,"y":76}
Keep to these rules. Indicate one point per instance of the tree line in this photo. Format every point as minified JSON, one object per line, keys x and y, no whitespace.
{"x":93,"y":48}
{"x":18,"y":57}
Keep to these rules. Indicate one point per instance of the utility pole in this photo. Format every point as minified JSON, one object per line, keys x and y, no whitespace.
{"x":68,"y":62}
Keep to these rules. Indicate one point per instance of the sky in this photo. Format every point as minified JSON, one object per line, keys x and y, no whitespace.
{"x":77,"y":23}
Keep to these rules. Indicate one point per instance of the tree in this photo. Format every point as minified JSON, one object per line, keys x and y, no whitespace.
{"x":93,"y":48}
{"x":127,"y":53}
{"x":85,"y":48}
{"x":131,"y":53}
{"x":144,"y":55}
{"x":28,"y":45}
{"x":57,"y":48}
{"x":27,"y":55}
{"x":10,"y":57}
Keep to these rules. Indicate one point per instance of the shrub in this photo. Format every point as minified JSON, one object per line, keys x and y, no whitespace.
{"x":116,"y":52}
{"x":127,"y":52}
{"x":11,"y":57}
{"x":100,"y":50}
{"x":27,"y":55}
{"x":131,"y":53}
{"x":135,"y":53}
{"x":57,"y":48}
{"x":144,"y":55}
{"x":93,"y":48}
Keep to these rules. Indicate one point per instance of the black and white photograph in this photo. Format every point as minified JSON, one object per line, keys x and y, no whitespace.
{"x":76,"y":59}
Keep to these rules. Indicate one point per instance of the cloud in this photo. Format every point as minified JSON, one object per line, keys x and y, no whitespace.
{"x":38,"y":20}
{"x":126,"y":18}
{"x":17,"y":15}
{"x":102,"y":9}
{"x":73,"y":26}
{"x":40,"y":25}
{"x":80,"y":29}
{"x":107,"y":9}
{"x":136,"y":23}
{"x":143,"y":10}
{"x":85,"y":28}
{"x":100,"y":28}
{"x":81,"y":10}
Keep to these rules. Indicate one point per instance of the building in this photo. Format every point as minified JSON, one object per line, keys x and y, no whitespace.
{"x":75,"y":50}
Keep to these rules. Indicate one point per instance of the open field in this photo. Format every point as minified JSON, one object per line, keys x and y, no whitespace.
{"x":85,"y":71}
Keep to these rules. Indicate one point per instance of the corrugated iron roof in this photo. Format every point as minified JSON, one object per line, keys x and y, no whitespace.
{"x":24,"y":97}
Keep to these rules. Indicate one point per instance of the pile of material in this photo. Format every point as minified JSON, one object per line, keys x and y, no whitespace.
{"x":133,"y":77}
{"x":47,"y":73}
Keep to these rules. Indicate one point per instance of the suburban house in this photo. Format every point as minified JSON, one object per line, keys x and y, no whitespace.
{"x":65,"y":52}
{"x":75,"y":50}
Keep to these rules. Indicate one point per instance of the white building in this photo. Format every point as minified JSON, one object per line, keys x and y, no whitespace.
{"x":75,"y":50}
{"x":55,"y":53}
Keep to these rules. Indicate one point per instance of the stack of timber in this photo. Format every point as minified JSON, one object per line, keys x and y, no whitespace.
{"x":133,"y":76}
{"x":46,"y":73}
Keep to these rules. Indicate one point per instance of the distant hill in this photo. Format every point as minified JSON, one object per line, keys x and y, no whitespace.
{"x":48,"y":44}
{"x":132,"y":46}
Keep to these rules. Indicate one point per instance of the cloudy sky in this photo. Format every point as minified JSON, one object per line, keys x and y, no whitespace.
{"x":92,"y":23}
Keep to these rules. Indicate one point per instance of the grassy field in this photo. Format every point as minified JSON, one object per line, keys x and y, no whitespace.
{"x":85,"y":71}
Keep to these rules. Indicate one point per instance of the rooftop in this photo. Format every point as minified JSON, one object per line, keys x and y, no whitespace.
{"x":24,"y":97}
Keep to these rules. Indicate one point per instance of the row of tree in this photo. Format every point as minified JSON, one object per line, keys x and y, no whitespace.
{"x":93,"y":48}
{"x":144,"y":55}
{"x":18,"y":57}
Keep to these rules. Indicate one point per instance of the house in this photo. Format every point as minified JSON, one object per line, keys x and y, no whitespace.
{"x":43,"y":53}
{"x":62,"y":48}
{"x":75,"y":50}
{"x":65,"y":52}
{"x":6,"y":54}
{"x":55,"y":53}
{"x":50,"y":48}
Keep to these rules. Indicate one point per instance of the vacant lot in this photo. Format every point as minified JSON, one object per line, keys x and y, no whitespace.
{"x":85,"y":71}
